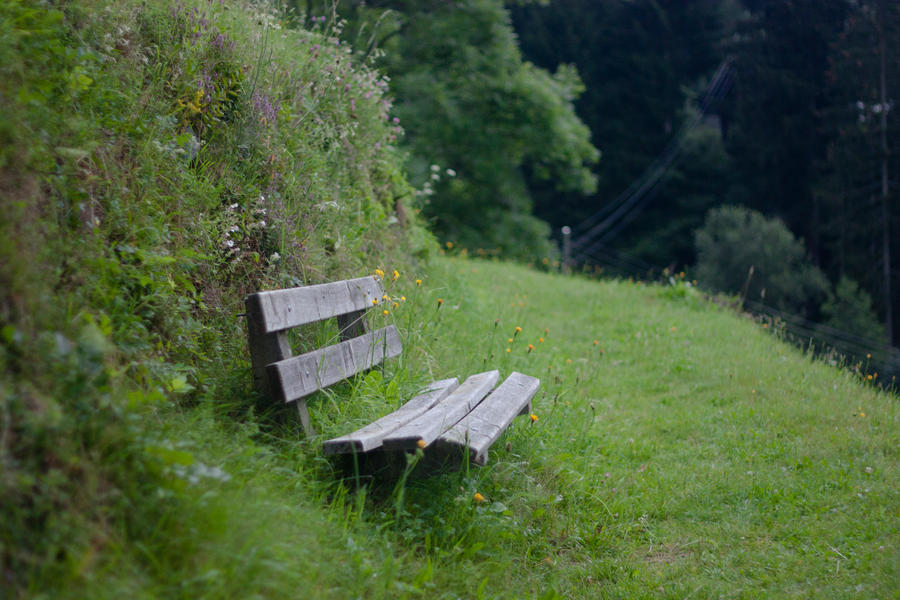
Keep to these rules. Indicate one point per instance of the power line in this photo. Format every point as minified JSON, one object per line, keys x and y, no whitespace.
{"x":625,"y":207}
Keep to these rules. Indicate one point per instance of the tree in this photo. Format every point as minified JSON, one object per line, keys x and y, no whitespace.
{"x":740,"y":251}
{"x":470,"y":104}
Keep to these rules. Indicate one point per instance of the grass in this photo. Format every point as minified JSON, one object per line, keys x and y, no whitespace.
{"x":689,"y":453}
{"x":679,"y":450}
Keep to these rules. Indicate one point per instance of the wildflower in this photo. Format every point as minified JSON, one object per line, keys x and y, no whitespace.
{"x":596,"y":342}
{"x":385,"y":297}
{"x":374,"y":301}
{"x":530,"y":347}
{"x":508,"y":350}
{"x":402,"y":298}
{"x":868,"y":356}
{"x":396,"y":275}
{"x":440,"y":301}
{"x":478,"y":498}
{"x":418,"y":282}
{"x":386,"y":313}
{"x":533,"y":417}
{"x":674,"y":329}
{"x":540,"y":340}
{"x":379,"y":273}
{"x":518,"y":330}
{"x":396,"y":304}
{"x":449,"y":245}
{"x":510,"y":340}
{"x":568,"y":361}
{"x":421,"y":443}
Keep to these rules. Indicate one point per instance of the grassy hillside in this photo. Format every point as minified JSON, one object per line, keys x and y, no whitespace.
{"x":688,"y":452}
{"x":158,"y":162}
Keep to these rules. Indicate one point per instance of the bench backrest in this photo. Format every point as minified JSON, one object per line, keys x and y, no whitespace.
{"x":270,"y":315}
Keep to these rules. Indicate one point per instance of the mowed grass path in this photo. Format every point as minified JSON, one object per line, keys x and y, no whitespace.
{"x":720,"y":461}
{"x":679,"y":451}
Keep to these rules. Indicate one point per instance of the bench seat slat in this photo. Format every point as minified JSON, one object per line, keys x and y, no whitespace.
{"x":370,"y":437}
{"x":444,"y":415}
{"x":282,"y":309}
{"x":484,"y":424}
{"x":302,"y":375}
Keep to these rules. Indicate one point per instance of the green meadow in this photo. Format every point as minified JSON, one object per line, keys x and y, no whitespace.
{"x":680,"y":450}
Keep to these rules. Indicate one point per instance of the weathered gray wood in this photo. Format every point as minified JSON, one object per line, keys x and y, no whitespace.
{"x":265,"y":348}
{"x":427,"y":427}
{"x":483,"y":425}
{"x":302,"y":375}
{"x":369,"y":437}
{"x":283,"y":309}
{"x":303,"y":411}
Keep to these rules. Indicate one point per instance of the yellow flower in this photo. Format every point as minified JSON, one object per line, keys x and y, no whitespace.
{"x":374,"y":301}
{"x":508,"y":350}
{"x":396,"y":275}
{"x":421,"y":443}
{"x":510,"y":340}
{"x":868,"y":356}
{"x":533,"y":417}
{"x":386,"y":313}
{"x":541,"y":340}
{"x":449,"y":245}
{"x":402,"y":298}
{"x":530,"y":347}
{"x":396,"y":304}
{"x":596,"y":342}
{"x":385,"y":297}
{"x":440,"y":301}
{"x":518,"y":330}
{"x":379,"y":273}
{"x":478,"y":498}
{"x":418,"y":282}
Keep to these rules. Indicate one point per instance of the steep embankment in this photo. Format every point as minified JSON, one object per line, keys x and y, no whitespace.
{"x":157,"y":162}
{"x":678,"y":449}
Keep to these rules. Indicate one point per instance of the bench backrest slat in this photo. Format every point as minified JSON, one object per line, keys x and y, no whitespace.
{"x":282,"y":309}
{"x":302,"y":375}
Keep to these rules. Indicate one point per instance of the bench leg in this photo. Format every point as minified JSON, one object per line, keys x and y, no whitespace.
{"x":304,"y":418}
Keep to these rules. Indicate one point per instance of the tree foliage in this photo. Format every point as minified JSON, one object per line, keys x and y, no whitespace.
{"x":469,"y":103}
{"x":740,"y":251}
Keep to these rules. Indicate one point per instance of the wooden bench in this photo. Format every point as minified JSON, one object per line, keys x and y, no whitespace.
{"x":446,"y":418}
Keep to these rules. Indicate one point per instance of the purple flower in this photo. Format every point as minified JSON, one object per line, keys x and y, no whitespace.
{"x":267,"y":111}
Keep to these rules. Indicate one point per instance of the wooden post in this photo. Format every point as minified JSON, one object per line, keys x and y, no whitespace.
{"x":885,"y":211}
{"x":267,"y":348}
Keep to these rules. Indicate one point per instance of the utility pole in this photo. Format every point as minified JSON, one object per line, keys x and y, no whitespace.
{"x":885,"y":212}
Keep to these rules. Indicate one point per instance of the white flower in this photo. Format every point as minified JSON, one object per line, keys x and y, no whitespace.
{"x":229,"y":243}
{"x":451,"y":173}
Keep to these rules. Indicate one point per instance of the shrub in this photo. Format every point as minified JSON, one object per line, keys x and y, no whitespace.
{"x":734,"y":240}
